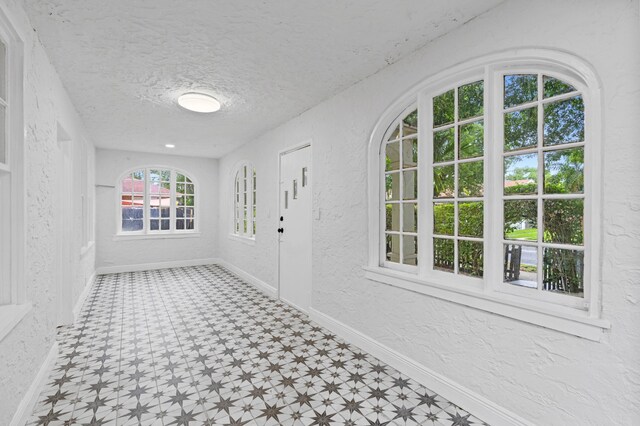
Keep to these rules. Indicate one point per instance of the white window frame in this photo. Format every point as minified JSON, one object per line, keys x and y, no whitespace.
{"x":146,"y":231}
{"x":573,"y":315}
{"x":244,"y":197}
{"x":13,"y":298}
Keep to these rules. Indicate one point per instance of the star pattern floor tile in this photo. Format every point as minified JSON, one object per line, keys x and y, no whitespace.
{"x":198,"y":346}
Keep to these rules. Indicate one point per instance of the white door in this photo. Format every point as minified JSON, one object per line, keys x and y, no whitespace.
{"x":65,"y":217}
{"x":295,"y":228}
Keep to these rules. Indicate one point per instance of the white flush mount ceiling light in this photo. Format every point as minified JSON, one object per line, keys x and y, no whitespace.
{"x":198,"y":102}
{"x":170,"y":145}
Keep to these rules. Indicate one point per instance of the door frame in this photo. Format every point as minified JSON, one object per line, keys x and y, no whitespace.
{"x":305,"y":144}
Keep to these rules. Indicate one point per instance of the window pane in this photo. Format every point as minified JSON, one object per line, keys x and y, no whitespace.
{"x":154,"y":175}
{"x":564,"y":171}
{"x":392,"y":217}
{"x":165,"y":211}
{"x":409,"y":153}
{"x":471,"y":140}
{"x":470,"y":219}
{"x":392,"y":184}
{"x":410,"y":217}
{"x":132,"y":215}
{"x":443,"y":181}
{"x":520,"y":265}
{"x":553,"y":87}
{"x":132,"y":225}
{"x":563,"y":221}
{"x":519,"y":89}
{"x":563,"y":271}
{"x":410,"y":124}
{"x":188,"y":200}
{"x":180,"y":224}
{"x":443,"y":253}
{"x":521,"y":220}
{"x":443,"y":218}
{"x":521,"y":174}
{"x":154,"y":224}
{"x":471,"y":100}
{"x":521,"y":129}
{"x":470,"y":179}
{"x":393,"y":248}
{"x":470,"y":258}
{"x":190,"y":224}
{"x":189,"y":212}
{"x":443,"y":108}
{"x":393,"y":156}
{"x":410,"y":190}
{"x":564,"y":121}
{"x":165,"y":224}
{"x":443,"y":145}
{"x":180,"y":189}
{"x":410,"y":247}
{"x":189,"y":188}
{"x":180,"y":212}
{"x":134,"y":182}
{"x":180,"y":177}
{"x":395,"y":134}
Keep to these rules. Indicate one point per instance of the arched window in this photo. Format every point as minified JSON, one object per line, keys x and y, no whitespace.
{"x":157,"y":200}
{"x":244,"y":201}
{"x":484,"y":181}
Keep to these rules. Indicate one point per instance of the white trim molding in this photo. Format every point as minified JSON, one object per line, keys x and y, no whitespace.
{"x":30,"y":398}
{"x":256,"y":282}
{"x":83,"y":296}
{"x":251,"y":241}
{"x":480,"y":406}
{"x":153,"y":266}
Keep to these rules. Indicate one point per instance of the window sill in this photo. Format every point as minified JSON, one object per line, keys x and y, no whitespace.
{"x":559,"y":318}
{"x":251,"y":241}
{"x":131,"y":237}
{"x":10,"y":316}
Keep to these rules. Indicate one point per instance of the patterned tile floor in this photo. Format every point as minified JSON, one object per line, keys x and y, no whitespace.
{"x":198,"y":346}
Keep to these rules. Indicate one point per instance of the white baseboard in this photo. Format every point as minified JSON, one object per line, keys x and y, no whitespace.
{"x":152,"y":266}
{"x":29,"y":400}
{"x":476,"y":404}
{"x":256,"y":282}
{"x":293,"y":305}
{"x":83,"y":296}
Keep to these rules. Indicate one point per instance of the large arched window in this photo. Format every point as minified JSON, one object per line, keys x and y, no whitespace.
{"x":157,"y":200}
{"x":485,"y":182}
{"x":244,"y":201}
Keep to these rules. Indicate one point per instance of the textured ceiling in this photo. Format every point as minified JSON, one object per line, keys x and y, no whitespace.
{"x":124,"y":62}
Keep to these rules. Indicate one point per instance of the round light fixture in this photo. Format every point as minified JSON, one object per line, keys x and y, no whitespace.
{"x":170,"y":145}
{"x":198,"y":102}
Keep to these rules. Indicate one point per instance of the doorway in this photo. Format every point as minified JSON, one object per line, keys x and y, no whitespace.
{"x":294,"y":269}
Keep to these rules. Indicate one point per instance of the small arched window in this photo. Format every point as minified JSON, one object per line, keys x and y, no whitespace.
{"x":485,"y":180}
{"x":244,"y":201}
{"x":157,"y":200}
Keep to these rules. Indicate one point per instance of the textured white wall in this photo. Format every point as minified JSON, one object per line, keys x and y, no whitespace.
{"x":46,"y":103}
{"x":110,"y":165}
{"x":546,"y":376}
